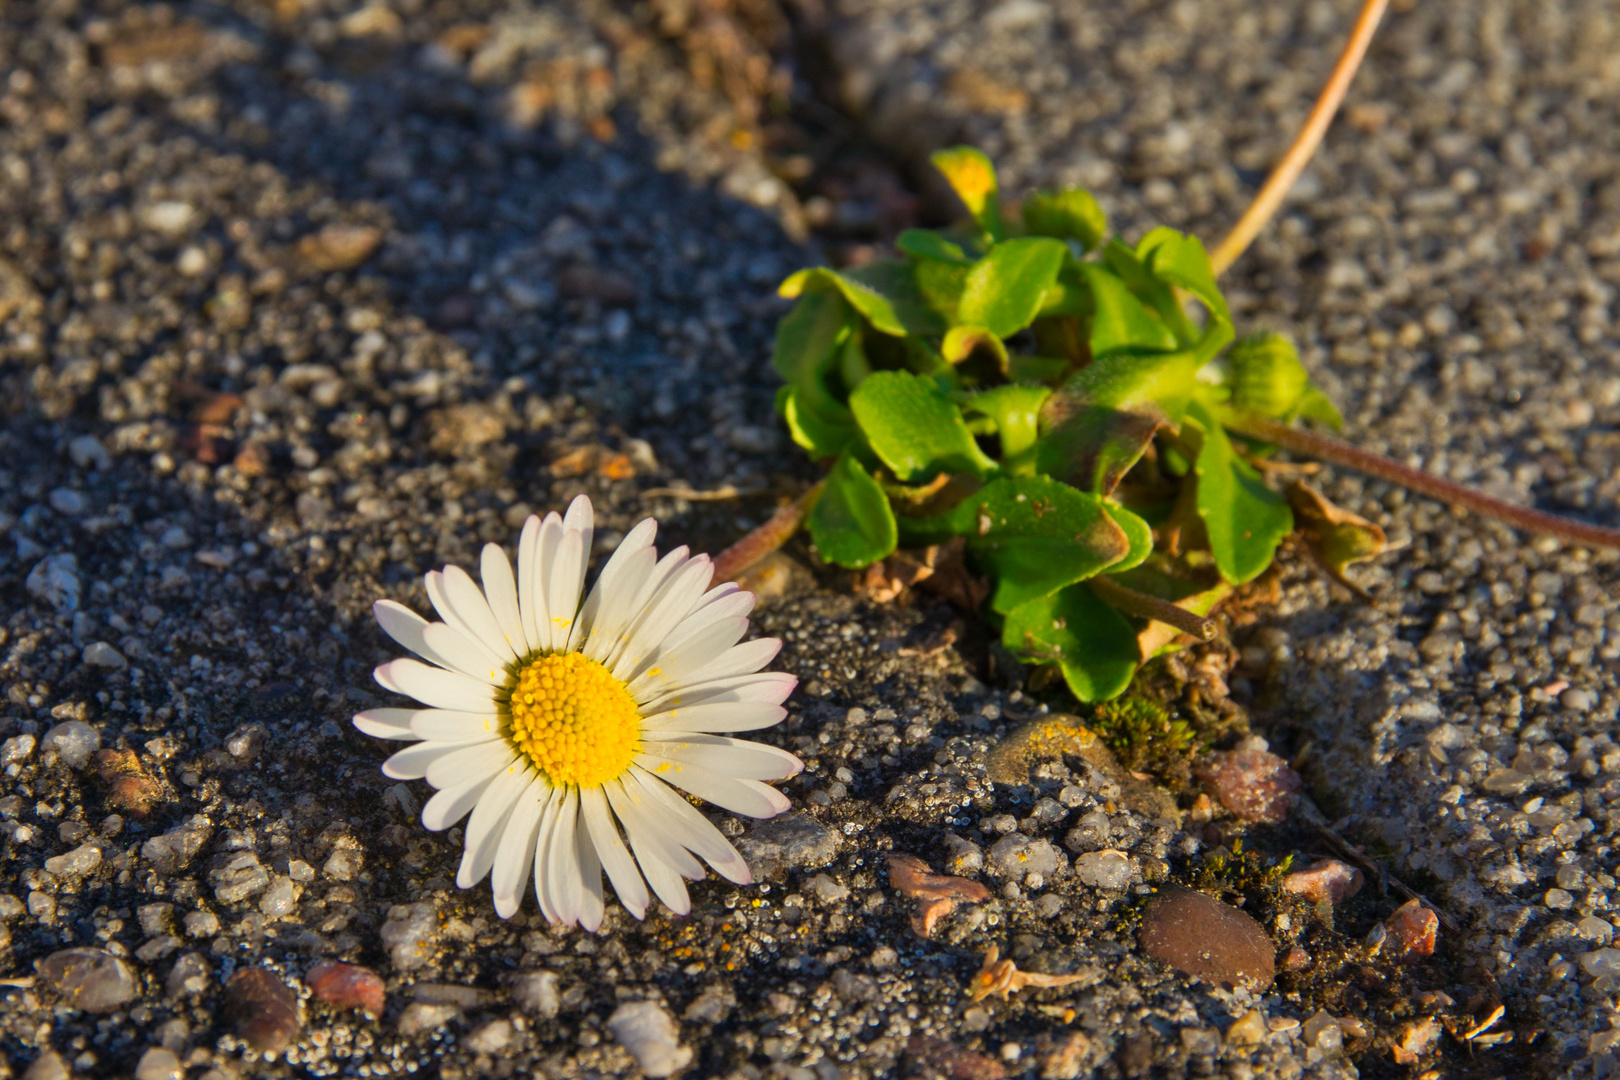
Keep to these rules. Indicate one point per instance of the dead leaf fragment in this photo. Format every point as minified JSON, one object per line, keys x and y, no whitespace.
{"x":936,"y":894}
{"x":1334,"y":536}
{"x":1003,"y":979}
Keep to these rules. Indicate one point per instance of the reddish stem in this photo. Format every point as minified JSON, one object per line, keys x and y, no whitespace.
{"x":1151,"y":607}
{"x":1338,"y":452}
{"x":777,"y":530}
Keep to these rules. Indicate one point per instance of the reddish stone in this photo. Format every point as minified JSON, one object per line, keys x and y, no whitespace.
{"x":932,"y":1057}
{"x":1325,"y":879}
{"x":264,"y":1010}
{"x":1255,"y":785}
{"x":1412,"y":929}
{"x":1296,"y":960}
{"x":347,"y":986}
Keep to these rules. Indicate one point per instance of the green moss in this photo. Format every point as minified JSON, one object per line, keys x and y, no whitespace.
{"x":1242,"y":873}
{"x":1147,"y":737}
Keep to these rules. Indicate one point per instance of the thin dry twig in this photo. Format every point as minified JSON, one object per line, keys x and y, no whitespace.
{"x":1348,"y":852}
{"x":1305,"y":143}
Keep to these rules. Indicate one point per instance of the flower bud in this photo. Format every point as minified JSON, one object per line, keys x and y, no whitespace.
{"x":1267,"y":377}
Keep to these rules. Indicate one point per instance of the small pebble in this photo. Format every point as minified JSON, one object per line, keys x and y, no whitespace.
{"x":81,"y":860}
{"x":410,"y":934}
{"x":159,"y":1064}
{"x":74,"y":742}
{"x":536,"y":992}
{"x":86,"y":452}
{"x":492,"y":1038}
{"x":17,"y":748}
{"x":419,"y":1016}
{"x":1255,"y":785}
{"x":102,"y":655}
{"x":1104,"y":869}
{"x":263,"y":1009}
{"x":1204,"y":938}
{"x":188,"y":976}
{"x":89,"y":979}
{"x":1248,"y":1030}
{"x":67,"y":502}
{"x":649,"y":1032}
{"x":48,"y":1066}
{"x":55,"y":580}
{"x":347,"y":986}
{"x":1326,"y":879}
{"x":1412,"y":929}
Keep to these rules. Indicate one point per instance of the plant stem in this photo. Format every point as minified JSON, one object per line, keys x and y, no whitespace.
{"x":1144,"y":606}
{"x":776,"y":531}
{"x":1310,"y":135}
{"x":1337,"y":452}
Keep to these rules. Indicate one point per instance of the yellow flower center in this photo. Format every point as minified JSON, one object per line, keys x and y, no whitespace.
{"x":575,"y":721}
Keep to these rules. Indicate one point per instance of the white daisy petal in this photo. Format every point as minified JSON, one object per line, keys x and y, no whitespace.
{"x":615,"y":609}
{"x":566,"y":581}
{"x":473,"y":608}
{"x":562,"y":861}
{"x":736,"y":757}
{"x":451,"y":804}
{"x":500,"y":589}
{"x":450,"y":726}
{"x":484,"y":827}
{"x":435,"y":686}
{"x":515,"y":855}
{"x":672,"y":667}
{"x":528,"y":579}
{"x":769,"y":687}
{"x":592,"y":907}
{"x":748,"y":797}
{"x":581,"y":518}
{"x":472,"y":760}
{"x":405,"y":626}
{"x":462,"y":654}
{"x":664,"y":880}
{"x":412,"y":762}
{"x":744,"y":659}
{"x":714,"y":716}
{"x":638,"y":539}
{"x":648,"y":824}
{"x":387,"y":723}
{"x":543,"y":884}
{"x":438,"y":593}
{"x":693,"y":830}
{"x":663,"y":612}
{"x":615,"y":857}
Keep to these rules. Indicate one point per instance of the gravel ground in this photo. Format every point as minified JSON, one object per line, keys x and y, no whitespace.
{"x":297,"y":302}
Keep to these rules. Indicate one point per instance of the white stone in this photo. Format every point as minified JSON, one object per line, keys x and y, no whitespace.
{"x":159,"y":1064}
{"x":67,"y":502}
{"x":170,"y":217}
{"x":101,"y":654}
{"x":86,"y":452}
{"x":55,"y":580}
{"x":74,"y":741}
{"x":649,"y":1032}
{"x":17,"y":748}
{"x":81,"y":860}
{"x":280,"y":898}
{"x":536,"y":992}
{"x":1602,"y":962}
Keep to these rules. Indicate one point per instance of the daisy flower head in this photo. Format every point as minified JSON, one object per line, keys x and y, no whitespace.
{"x":560,"y":719}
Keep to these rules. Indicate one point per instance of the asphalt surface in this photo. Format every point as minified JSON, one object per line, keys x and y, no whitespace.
{"x":299,"y":301}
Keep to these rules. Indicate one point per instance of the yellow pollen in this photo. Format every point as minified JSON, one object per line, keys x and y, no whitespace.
{"x":574,"y":720}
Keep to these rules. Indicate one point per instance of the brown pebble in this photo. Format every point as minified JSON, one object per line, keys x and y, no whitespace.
{"x":1204,"y":938}
{"x":347,"y":986}
{"x":1255,"y":785}
{"x":264,"y":1010}
{"x":1413,"y":928}
{"x":1325,"y":879}
{"x":1296,"y":960}
{"x":89,"y":979}
{"x":930,"y":1057}
{"x":129,"y":787}
{"x":588,"y":283}
{"x":340,"y":247}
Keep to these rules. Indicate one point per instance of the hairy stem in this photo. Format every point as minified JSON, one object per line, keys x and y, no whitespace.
{"x":1336,"y":452}
{"x":1310,"y":135}
{"x":777,"y":530}
{"x":1144,"y":606}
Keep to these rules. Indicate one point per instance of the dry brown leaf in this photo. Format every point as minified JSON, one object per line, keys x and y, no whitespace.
{"x":1003,"y":979}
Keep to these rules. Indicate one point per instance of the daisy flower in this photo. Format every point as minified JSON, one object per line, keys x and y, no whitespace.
{"x":560,"y":726}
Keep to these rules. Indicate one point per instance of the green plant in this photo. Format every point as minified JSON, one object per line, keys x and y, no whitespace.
{"x":1076,"y":410}
{"x":1040,"y":389}
{"x":1146,"y":737}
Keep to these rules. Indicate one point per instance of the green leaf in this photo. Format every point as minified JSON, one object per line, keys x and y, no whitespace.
{"x":1004,"y":289}
{"x":1318,"y":407}
{"x":1155,"y":292}
{"x":816,"y":422}
{"x":1037,"y":535}
{"x":1096,"y":426}
{"x":1137,"y":531}
{"x":1092,"y":643}
{"x":973,"y":178}
{"x":927,"y":244}
{"x":1120,"y":321}
{"x":807,"y":337}
{"x":1176,"y":257}
{"x":1267,"y":377}
{"x":914,"y":428}
{"x":962,"y":341}
{"x":1015,"y":410}
{"x":885,"y":292}
{"x":852,"y":524}
{"x":1070,"y":214}
{"x":1244,"y":518}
